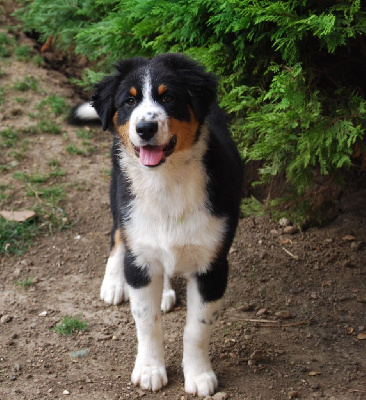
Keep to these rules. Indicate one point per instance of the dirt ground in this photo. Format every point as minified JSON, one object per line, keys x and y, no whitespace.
{"x":294,"y":321}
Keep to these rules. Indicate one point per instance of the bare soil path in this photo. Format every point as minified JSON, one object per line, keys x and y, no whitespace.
{"x":294,"y":322}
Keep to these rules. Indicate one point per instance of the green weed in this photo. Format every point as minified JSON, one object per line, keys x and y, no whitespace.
{"x":69,"y":326}
{"x":23,"y":53}
{"x":16,"y":236}
{"x":3,"y":188}
{"x":25,"y":283}
{"x":28,"y":83}
{"x":74,"y":150}
{"x":56,"y":104}
{"x":84,"y":134}
{"x":251,"y":206}
{"x":9,"y":137}
{"x":2,"y":96}
{"x":5,"y":44}
{"x":54,"y":163}
{"x":48,"y":126}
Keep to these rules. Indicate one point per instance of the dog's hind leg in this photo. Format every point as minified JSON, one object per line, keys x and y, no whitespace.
{"x":149,"y":371}
{"x":114,"y":288}
{"x":168,"y":300}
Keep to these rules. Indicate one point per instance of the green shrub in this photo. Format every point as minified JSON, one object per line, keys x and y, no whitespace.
{"x":292,"y":71}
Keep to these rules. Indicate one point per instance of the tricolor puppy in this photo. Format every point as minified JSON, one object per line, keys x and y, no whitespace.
{"x":175,"y":195}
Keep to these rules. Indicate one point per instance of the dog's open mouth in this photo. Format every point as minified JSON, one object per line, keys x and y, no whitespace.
{"x":152,"y":156}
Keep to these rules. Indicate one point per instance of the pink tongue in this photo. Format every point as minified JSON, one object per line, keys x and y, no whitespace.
{"x":151,"y":155}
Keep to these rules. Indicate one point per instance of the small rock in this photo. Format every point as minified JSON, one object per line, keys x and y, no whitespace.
{"x":256,"y":356}
{"x":102,"y":338}
{"x":261,"y":312}
{"x":284,"y":314}
{"x":290,"y":230}
{"x":349,"y":264}
{"x":43,"y":314}
{"x":13,"y":378}
{"x":18,"y":216}
{"x":66,"y":392}
{"x":274,"y":232}
{"x":140,"y":393}
{"x":246,"y":307}
{"x":219,"y":396}
{"x":361,"y":297}
{"x":293,"y":394}
{"x":16,"y":272}
{"x":82,"y":353}
{"x":5,"y":319}
{"x":17,"y":368}
{"x":284,"y":222}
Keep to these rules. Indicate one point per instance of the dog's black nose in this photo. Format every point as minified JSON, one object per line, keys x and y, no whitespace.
{"x":146,"y":130}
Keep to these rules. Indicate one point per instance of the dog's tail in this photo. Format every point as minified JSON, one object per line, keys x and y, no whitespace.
{"x":84,"y":114}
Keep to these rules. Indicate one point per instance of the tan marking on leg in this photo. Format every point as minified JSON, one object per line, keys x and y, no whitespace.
{"x":117,"y":241}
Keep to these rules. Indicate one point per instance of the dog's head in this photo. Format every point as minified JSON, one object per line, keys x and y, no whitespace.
{"x":155,"y":106}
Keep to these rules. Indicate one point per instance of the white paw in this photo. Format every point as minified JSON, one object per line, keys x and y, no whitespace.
{"x":113,"y":291}
{"x":168,"y":300}
{"x":201,"y":385}
{"x":150,"y":377}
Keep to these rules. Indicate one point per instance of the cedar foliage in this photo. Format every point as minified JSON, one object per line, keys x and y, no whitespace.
{"x":292,"y":72}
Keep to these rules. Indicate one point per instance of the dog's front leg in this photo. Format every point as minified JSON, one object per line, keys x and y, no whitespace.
{"x":145,"y":299}
{"x":202,"y":314}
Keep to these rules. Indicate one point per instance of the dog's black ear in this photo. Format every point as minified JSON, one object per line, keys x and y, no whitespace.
{"x":103,"y":99}
{"x":201,"y":85}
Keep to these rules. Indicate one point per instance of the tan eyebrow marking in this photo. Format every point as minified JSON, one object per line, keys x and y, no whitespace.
{"x":133,"y":91}
{"x":162,"y":89}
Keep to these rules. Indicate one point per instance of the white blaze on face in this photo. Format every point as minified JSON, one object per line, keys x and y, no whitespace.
{"x":147,"y":111}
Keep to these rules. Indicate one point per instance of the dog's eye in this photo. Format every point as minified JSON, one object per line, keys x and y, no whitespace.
{"x":167,"y":98}
{"x":131,"y":101}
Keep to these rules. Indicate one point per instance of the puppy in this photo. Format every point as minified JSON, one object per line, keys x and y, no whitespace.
{"x":175,"y":193}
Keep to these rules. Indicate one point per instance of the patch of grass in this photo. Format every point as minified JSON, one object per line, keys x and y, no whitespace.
{"x":28,"y":83}
{"x":16,"y":236}
{"x":29,"y":130}
{"x":2,"y":96}
{"x":35,"y":177}
{"x":5,"y":44}
{"x":49,"y":126}
{"x":53,"y":195}
{"x":21,"y":100}
{"x":84,"y":134}
{"x":74,"y":150}
{"x":54,"y":163}
{"x":25,"y":283}
{"x":9,"y":137}
{"x":56,"y":104}
{"x":69,"y":325}
{"x":23,"y":53}
{"x":3,"y":188}
{"x":251,"y":206}
{"x":20,"y":151}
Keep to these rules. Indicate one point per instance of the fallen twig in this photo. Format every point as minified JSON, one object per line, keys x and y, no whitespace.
{"x":272,"y":324}
{"x":290,"y":254}
{"x":352,"y":390}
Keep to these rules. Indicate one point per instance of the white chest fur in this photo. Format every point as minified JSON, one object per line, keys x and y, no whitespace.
{"x":169,"y":225}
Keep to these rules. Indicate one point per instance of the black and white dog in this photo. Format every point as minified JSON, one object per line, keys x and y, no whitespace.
{"x":175,"y":193}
